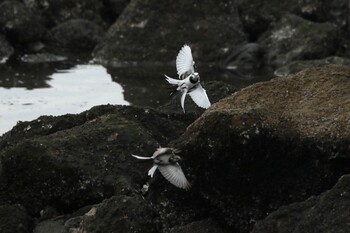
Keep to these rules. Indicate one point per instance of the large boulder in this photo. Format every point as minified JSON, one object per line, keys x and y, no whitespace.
{"x":151,"y":31}
{"x":71,"y":161}
{"x":21,"y":24}
{"x":294,"y":38}
{"x":76,"y":34}
{"x":56,"y":12}
{"x":328,"y":212}
{"x":270,"y":144}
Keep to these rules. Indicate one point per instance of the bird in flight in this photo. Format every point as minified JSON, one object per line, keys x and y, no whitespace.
{"x":189,"y":80}
{"x":166,"y":160}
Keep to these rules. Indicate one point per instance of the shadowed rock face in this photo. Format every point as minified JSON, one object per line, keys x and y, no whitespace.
{"x":74,"y":160}
{"x":212,"y":28}
{"x":325,"y":213}
{"x":271,"y":144}
{"x":14,"y":219}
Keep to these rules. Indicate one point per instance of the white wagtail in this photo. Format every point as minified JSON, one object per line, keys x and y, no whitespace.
{"x":189,"y":81}
{"x":166,"y":160}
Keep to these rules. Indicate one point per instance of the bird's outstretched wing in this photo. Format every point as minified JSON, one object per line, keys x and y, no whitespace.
{"x":174,"y":174}
{"x":184,"y":62}
{"x":199,"y":96}
{"x":173,"y":81}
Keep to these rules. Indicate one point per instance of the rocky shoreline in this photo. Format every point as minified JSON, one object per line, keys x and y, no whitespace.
{"x":271,"y":157}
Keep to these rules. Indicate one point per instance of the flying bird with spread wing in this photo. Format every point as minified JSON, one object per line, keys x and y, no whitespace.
{"x":166,"y":161}
{"x":189,"y":80}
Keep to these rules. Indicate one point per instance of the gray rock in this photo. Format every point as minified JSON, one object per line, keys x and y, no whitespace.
{"x":297,"y":66}
{"x":14,"y":219}
{"x":294,"y":38}
{"x":122,"y":214}
{"x":56,"y":12}
{"x":21,"y":25}
{"x":151,"y":31}
{"x":270,"y":144}
{"x":326,"y":213}
{"x":76,"y":34}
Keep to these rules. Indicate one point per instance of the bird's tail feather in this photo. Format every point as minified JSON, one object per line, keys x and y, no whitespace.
{"x":152,"y":170}
{"x":141,"y":157}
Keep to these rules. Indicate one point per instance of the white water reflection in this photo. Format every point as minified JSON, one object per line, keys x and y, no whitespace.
{"x":71,"y":91}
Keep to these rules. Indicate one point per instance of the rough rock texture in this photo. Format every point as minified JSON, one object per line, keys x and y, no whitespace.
{"x":70,"y":161}
{"x":297,"y":66}
{"x":122,"y":214}
{"x":6,"y":50}
{"x":294,"y":38}
{"x":270,"y":144}
{"x":153,"y":31}
{"x":14,"y":219}
{"x":56,"y":12}
{"x":326,"y":213}
{"x":20,"y":24}
{"x":76,"y":34}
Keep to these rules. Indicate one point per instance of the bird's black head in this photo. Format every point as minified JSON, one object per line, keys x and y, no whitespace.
{"x":174,"y":158}
{"x":194,"y":77}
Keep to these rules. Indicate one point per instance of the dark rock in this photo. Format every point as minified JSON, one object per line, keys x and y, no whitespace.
{"x":52,"y":226}
{"x":255,"y":22}
{"x":14,"y":219}
{"x":325,"y":213}
{"x":294,"y":38}
{"x":297,"y":66}
{"x":19,"y":23}
{"x":321,"y":11}
{"x":6,"y":50}
{"x":151,"y":31}
{"x":203,"y":226}
{"x":246,"y":59}
{"x":71,"y":161}
{"x":270,"y":144}
{"x":122,"y":214}
{"x":112,"y":9}
{"x":56,"y":12}
{"x":76,"y":34}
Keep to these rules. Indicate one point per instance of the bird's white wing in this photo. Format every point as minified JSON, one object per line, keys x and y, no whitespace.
{"x":174,"y":174}
{"x":199,"y":96}
{"x":184,"y":62}
{"x":173,"y":81}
